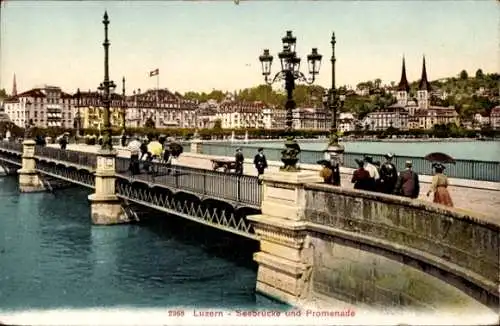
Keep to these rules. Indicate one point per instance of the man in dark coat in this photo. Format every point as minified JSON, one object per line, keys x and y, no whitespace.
{"x":260,"y":161}
{"x":335,"y":167}
{"x":238,"y":157}
{"x":407,"y":184}
{"x":388,"y":175}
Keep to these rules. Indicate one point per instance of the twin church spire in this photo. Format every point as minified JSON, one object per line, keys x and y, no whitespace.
{"x":424,"y":84}
{"x":424,"y":88}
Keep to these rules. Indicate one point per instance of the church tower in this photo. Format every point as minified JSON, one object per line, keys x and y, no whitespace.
{"x":403,"y":87}
{"x":424,"y":89}
{"x":14,"y":86}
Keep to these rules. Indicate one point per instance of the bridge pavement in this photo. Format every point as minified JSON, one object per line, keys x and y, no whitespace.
{"x":484,"y":201}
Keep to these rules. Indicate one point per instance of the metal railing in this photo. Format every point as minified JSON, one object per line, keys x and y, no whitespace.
{"x":463,"y":169}
{"x":84,"y":159}
{"x":12,"y":146}
{"x":243,"y":189}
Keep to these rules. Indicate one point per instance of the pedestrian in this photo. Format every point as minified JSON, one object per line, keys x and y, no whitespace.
{"x":155,"y":150}
{"x":388,"y":175}
{"x":335,"y":167}
{"x":439,"y":186}
{"x":326,"y":172}
{"x":63,"y":141}
{"x":134,"y":147}
{"x":260,"y":162}
{"x":239,"y":159}
{"x":407,"y":184}
{"x":373,"y":171}
{"x":124,"y":139}
{"x":360,"y":177}
{"x":144,"y":149}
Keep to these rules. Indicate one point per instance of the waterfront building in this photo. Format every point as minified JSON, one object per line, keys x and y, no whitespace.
{"x":392,"y":116}
{"x":162,"y":106}
{"x":46,"y":106}
{"x":238,"y":114}
{"x":92,"y":111}
{"x":346,"y":122}
{"x":273,"y":118}
{"x":311,"y":118}
{"x":495,"y":117}
{"x":206,"y":114}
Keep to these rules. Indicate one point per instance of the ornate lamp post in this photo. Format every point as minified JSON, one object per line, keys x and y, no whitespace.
{"x":78,"y":116}
{"x":124,"y":106}
{"x":290,"y":65}
{"x":106,"y":88}
{"x":333,"y":101}
{"x":27,"y":121}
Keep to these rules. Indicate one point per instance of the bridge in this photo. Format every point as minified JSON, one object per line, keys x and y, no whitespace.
{"x":212,"y":198}
{"x":315,"y":240}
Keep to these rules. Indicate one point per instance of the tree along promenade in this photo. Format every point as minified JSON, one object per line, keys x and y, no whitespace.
{"x":468,"y":195}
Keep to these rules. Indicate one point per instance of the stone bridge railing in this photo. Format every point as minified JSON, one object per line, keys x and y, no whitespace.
{"x":364,"y":228}
{"x":372,"y":249}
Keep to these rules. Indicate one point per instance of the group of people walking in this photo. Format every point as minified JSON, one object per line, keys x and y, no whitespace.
{"x":384,"y":178}
{"x":147,"y":151}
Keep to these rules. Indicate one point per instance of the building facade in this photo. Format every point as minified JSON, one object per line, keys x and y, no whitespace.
{"x":44,"y":107}
{"x":164,"y":108}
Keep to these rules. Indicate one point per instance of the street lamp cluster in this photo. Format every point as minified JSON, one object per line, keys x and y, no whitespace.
{"x":290,"y":72}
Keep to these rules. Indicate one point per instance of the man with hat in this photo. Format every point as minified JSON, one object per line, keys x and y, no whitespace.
{"x":238,"y":157}
{"x":407,"y":184}
{"x":388,"y":175}
{"x":260,"y":161}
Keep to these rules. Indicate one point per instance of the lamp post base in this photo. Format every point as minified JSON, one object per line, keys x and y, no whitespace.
{"x":289,"y":156}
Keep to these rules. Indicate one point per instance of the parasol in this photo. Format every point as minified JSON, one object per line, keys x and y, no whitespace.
{"x":439,"y":157}
{"x":323,"y":162}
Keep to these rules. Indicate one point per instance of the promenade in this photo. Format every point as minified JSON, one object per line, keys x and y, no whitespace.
{"x":475,"y":196}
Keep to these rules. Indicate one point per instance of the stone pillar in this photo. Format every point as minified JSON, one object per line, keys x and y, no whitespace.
{"x":285,"y":259}
{"x":28,"y":176}
{"x":197,"y":146}
{"x":105,"y":206}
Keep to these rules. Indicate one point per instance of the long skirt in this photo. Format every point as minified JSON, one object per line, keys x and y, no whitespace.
{"x":442,"y":196}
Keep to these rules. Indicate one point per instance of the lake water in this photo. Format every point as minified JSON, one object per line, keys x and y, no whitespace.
{"x":51,"y":257}
{"x":467,"y":150}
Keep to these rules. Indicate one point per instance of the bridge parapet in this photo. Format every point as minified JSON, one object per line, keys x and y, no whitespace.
{"x":376,"y":250}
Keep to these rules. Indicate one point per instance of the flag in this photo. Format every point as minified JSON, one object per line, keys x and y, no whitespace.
{"x":154,"y":72}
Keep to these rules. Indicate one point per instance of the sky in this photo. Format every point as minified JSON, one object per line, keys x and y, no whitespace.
{"x":205,"y":45}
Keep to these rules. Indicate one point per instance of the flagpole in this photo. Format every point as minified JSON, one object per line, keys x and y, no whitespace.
{"x":157,"y":87}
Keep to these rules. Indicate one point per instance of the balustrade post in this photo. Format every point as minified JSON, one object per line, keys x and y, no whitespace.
{"x":285,"y":259}
{"x":29,"y":180}
{"x":197,"y":146}
{"x":105,"y":206}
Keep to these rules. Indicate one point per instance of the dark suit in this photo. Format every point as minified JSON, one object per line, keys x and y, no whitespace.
{"x":407,"y":184}
{"x":260,"y":163}
{"x":388,"y":178}
{"x":335,"y":173}
{"x":239,"y":162}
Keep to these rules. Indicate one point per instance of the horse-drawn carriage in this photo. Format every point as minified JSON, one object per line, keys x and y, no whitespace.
{"x":227,"y":165}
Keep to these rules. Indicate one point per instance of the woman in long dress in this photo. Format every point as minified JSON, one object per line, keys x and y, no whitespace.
{"x":440,"y":186}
